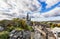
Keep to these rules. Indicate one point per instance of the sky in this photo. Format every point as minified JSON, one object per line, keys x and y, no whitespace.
{"x":48,"y":5}
{"x":45,"y":5}
{"x":50,"y":10}
{"x":39,"y":10}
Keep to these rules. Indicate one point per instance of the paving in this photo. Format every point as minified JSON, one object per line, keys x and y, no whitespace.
{"x":47,"y":34}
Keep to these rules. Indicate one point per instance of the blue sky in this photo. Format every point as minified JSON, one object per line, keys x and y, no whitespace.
{"x":44,"y":9}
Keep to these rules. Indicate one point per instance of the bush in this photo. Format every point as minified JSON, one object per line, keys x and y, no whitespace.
{"x":29,"y":28}
{"x":9,"y":29}
{"x":4,"y":35}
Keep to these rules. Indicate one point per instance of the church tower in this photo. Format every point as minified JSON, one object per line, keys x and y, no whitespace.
{"x":28,"y":19}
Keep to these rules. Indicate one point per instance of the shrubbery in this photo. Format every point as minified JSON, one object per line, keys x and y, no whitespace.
{"x":4,"y":35}
{"x":10,"y":25}
{"x":16,"y":22}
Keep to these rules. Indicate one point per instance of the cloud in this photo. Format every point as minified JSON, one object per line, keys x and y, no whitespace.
{"x":51,"y":2}
{"x":51,"y":15}
{"x":46,"y":19}
{"x":13,"y":8}
{"x":37,"y":15}
{"x":24,"y":5}
{"x":19,"y":8}
{"x":55,"y":12}
{"x":59,"y":5}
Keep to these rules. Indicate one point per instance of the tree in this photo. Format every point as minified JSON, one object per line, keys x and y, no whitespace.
{"x":23,"y":23}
